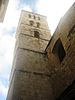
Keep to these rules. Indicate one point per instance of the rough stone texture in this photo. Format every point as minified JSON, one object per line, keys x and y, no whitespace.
{"x":30,"y":86}
{"x":31,"y":61}
{"x":24,"y":26}
{"x":63,"y":73}
{"x":41,"y":71}
{"x":31,"y":43}
{"x":30,"y":78}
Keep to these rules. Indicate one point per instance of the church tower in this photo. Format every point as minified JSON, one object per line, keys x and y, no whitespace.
{"x":30,"y":79}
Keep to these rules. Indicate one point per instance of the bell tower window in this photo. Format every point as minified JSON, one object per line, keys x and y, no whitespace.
{"x":38,"y":18}
{"x":36,"y":34}
{"x":34,"y":17}
{"x":29,"y":16}
{"x":38,"y":25}
{"x":31,"y":23}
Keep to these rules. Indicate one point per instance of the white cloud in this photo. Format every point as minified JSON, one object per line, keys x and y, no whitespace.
{"x":27,"y":8}
{"x":3,"y":89}
{"x":13,"y":14}
{"x":6,"y":54}
{"x":54,"y":10}
{"x":7,"y":39}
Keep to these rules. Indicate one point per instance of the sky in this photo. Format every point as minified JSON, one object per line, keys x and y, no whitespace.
{"x":53,"y":9}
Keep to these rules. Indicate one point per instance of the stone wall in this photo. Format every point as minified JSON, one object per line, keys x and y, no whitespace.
{"x":30,"y":77}
{"x":40,"y":72}
{"x":62,"y":72}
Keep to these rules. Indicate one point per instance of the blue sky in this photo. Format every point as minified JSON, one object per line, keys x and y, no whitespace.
{"x":31,"y":3}
{"x":53,"y":9}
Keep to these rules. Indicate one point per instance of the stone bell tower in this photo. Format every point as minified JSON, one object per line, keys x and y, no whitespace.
{"x":30,"y":79}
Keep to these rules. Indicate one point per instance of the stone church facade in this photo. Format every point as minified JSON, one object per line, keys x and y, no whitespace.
{"x":43,"y":66}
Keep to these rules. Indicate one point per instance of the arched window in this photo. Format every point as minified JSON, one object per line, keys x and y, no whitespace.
{"x":34,"y":17}
{"x":29,"y":16}
{"x":31,"y":23}
{"x":58,"y":50}
{"x":36,"y":34}
{"x":38,"y":24}
{"x":38,"y":18}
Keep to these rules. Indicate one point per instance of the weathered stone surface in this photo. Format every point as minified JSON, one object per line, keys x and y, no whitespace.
{"x":63,"y":72}
{"x":29,"y":86}
{"x":40,"y":72}
{"x":30,"y":76}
